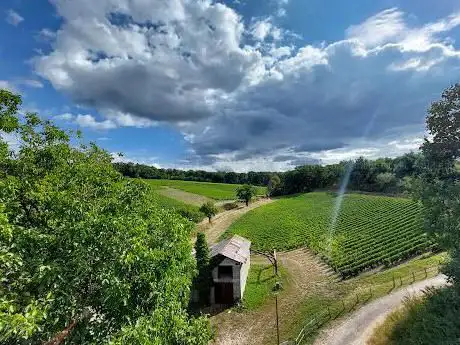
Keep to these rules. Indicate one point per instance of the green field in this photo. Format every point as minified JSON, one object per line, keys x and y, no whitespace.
{"x":188,"y":211}
{"x":216,"y":191}
{"x":370,"y":230}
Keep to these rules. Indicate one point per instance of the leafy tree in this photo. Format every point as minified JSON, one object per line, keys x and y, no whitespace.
{"x":246,"y":193}
{"x":273,"y":184}
{"x":203,"y":279}
{"x":209,"y":210}
{"x":86,"y":255}
{"x":439,"y":186}
{"x":386,"y":182}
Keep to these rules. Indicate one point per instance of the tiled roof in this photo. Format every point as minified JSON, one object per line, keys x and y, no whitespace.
{"x":235,"y":248}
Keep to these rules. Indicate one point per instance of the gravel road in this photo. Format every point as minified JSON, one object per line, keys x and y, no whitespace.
{"x":358,"y":327}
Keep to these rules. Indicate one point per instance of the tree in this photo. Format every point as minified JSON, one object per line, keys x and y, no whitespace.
{"x":86,"y":255}
{"x":273,"y":184}
{"x":439,"y":185}
{"x":386,"y":182}
{"x":203,"y":279}
{"x":246,"y":193}
{"x":209,"y":210}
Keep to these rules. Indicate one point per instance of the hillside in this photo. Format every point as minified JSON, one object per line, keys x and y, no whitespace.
{"x":369,"y":231}
{"x":216,"y":191}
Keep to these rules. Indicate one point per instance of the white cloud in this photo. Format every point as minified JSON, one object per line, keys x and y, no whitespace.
{"x":197,"y":67}
{"x":31,"y":83}
{"x":88,"y":121}
{"x":64,"y":117}
{"x":261,"y":29}
{"x":13,"y":18}
{"x":4,"y":84}
{"x":380,"y":28}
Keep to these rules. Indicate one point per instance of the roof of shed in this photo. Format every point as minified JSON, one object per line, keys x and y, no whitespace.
{"x":235,"y":248}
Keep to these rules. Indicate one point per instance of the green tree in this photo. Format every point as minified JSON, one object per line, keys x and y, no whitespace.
{"x":439,"y":186}
{"x":246,"y":193}
{"x":203,"y":279}
{"x":83,"y":250}
{"x":273,"y":184}
{"x":209,"y":210}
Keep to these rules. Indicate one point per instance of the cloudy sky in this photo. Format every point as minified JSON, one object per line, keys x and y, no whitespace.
{"x":234,"y":85}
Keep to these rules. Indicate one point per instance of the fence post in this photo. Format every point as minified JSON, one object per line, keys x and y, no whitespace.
{"x":426,"y":273}
{"x":394,"y":282}
{"x":413,"y":277}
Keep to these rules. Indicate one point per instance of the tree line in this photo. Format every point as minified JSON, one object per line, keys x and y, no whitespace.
{"x":149,"y":172}
{"x":383,"y":175}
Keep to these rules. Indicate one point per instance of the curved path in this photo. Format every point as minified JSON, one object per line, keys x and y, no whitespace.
{"x":223,"y":220}
{"x":357,"y":328}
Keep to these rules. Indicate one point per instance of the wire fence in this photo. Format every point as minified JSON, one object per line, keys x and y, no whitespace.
{"x":346,"y":305}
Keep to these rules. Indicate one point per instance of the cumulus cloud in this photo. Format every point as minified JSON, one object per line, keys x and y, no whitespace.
{"x":86,"y":121}
{"x":13,"y":18}
{"x":237,"y":95}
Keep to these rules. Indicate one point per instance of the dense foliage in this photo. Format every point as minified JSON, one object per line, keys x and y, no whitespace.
{"x":246,"y":193}
{"x":203,"y":279}
{"x":439,"y":187}
{"x":84,"y":254}
{"x":369,"y":230}
{"x":150,"y":172}
{"x":209,"y":210}
{"x":216,"y":191}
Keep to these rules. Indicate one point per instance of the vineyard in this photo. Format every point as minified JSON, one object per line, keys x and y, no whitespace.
{"x":216,"y":191}
{"x":369,"y":231}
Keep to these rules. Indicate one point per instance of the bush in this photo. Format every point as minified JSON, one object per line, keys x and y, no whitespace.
{"x":230,"y":206}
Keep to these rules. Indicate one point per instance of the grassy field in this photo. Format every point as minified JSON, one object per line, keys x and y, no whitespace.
{"x":260,"y":283}
{"x":188,"y":211}
{"x":216,"y":191}
{"x":369,"y":231}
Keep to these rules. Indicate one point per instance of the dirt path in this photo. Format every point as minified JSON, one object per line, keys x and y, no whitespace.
{"x":357,"y":328}
{"x":306,"y":275}
{"x":223,"y":220}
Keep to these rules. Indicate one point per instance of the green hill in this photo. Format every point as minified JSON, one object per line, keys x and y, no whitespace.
{"x":369,"y":230}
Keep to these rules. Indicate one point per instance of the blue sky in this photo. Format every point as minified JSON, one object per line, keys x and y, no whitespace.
{"x":233,"y":85}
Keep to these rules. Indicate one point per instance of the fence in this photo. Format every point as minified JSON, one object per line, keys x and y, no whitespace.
{"x":346,"y":305}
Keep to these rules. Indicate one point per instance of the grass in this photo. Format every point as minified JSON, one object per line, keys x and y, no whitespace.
{"x":260,"y":283}
{"x":381,"y":284}
{"x":188,"y":211}
{"x":216,"y":191}
{"x":431,"y":319}
{"x":370,"y":230}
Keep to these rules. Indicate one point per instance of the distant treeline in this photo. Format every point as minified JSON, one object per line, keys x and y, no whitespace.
{"x":384,"y":175}
{"x":150,"y":172}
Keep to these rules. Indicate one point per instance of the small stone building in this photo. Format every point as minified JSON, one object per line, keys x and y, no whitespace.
{"x":230,"y":262}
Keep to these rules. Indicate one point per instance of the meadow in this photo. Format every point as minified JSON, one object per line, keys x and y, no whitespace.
{"x":216,"y":191}
{"x":191,"y":212}
{"x":369,"y":230}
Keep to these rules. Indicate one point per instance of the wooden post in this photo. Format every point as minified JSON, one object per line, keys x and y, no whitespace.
{"x":277,"y":324}
{"x":394,"y":282}
{"x":413,"y":276}
{"x":426,"y":273}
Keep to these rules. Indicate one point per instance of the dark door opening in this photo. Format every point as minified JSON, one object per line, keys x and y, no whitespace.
{"x":224,"y":293}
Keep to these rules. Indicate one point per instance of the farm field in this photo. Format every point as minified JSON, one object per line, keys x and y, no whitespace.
{"x":370,"y":230}
{"x":216,"y":191}
{"x":191,"y":212}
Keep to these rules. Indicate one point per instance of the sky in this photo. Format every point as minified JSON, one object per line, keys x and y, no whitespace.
{"x":237,"y":85}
